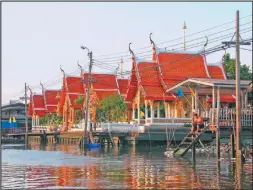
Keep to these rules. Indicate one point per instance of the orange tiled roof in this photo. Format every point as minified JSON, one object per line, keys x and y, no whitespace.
{"x":102,"y":81}
{"x":51,"y":109}
{"x":74,"y":85}
{"x":38,"y":101}
{"x":101,"y":95}
{"x":147,"y":77}
{"x":122,"y":86}
{"x":182,"y":65}
{"x":224,"y":98}
{"x":38,"y":105}
{"x":215,"y":72}
{"x":40,"y":113}
{"x":50,"y":96}
{"x":132,"y":85}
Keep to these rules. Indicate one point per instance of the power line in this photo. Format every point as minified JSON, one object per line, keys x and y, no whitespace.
{"x":217,"y":26}
{"x":210,"y":41}
{"x":193,"y":45}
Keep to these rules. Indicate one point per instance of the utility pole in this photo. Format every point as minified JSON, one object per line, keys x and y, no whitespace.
{"x":88,"y":94}
{"x":238,"y":88}
{"x":26,"y":123}
{"x":237,"y":44}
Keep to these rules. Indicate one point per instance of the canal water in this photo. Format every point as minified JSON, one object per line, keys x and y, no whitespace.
{"x":69,"y":167}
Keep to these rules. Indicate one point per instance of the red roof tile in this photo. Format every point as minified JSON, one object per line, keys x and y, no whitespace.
{"x":74,"y":85}
{"x":123,"y":83}
{"x":40,"y":113}
{"x":215,"y":72}
{"x":102,"y":81}
{"x":101,"y":95}
{"x":224,"y":98}
{"x":51,"y":109}
{"x":38,"y":101}
{"x":51,"y":97}
{"x":182,"y":65}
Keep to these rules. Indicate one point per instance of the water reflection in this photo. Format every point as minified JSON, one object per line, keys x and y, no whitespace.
{"x":117,"y":167}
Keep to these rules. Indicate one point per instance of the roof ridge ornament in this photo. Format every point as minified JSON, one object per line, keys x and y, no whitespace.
{"x":42,"y":86}
{"x":62,"y":70}
{"x":206,"y":42}
{"x":80,"y":68}
{"x":151,"y":41}
{"x":131,"y":51}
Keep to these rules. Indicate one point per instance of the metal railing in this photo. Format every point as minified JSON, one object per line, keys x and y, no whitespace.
{"x":13,"y":131}
{"x":227,"y":117}
{"x":120,"y":128}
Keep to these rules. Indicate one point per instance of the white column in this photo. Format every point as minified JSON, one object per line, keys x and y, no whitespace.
{"x":246,"y":99}
{"x":138,"y":109}
{"x":158,"y":110}
{"x":151,"y":113}
{"x":213,"y":104}
{"x":146,"y":113}
{"x":173,"y":111}
{"x":196,"y":101}
{"x":166,"y":109}
{"x":133,"y":114}
{"x":193,"y":106}
{"x":218,"y":105}
{"x":169,"y":111}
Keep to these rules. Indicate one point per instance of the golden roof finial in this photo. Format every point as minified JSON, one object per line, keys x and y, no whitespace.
{"x":184,"y":28}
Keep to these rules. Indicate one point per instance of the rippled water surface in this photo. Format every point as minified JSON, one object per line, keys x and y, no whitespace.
{"x":62,"y":166}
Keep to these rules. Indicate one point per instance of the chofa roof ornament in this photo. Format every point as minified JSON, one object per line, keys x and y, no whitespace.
{"x":131,"y":51}
{"x":62,"y":70}
{"x":151,"y":41}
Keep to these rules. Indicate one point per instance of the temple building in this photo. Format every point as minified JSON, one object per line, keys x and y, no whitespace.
{"x":36,"y":108}
{"x":42,"y":104}
{"x":150,"y":81}
{"x":72,"y":88}
{"x":103,"y":86}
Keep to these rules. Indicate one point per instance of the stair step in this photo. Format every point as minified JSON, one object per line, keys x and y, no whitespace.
{"x":186,"y":143}
{"x":180,"y":151}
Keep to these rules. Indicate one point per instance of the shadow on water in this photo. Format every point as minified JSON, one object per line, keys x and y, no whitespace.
{"x":63,"y":166}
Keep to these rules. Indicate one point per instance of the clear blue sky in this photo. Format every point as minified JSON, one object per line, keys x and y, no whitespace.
{"x":39,"y":37}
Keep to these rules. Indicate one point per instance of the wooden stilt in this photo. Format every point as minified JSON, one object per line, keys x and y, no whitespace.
{"x":232,"y":144}
{"x":218,"y":143}
{"x":194,"y":153}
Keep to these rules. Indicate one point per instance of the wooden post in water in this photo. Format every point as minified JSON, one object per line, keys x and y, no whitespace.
{"x":194,"y":153}
{"x":232,"y":143}
{"x":217,"y":124}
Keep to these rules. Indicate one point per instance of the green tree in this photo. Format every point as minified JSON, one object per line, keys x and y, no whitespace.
{"x":245,"y":72}
{"x":112,"y":108}
{"x":79,"y":113}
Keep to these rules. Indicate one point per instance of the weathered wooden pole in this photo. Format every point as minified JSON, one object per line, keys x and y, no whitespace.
{"x":217,"y":124}
{"x":194,"y":153}
{"x":26,"y":122}
{"x":232,"y":143}
{"x":238,"y":88}
{"x":88,"y":94}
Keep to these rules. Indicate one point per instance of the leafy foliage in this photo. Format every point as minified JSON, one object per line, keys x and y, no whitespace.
{"x":51,"y":120}
{"x":79,"y":100}
{"x":245,"y":73}
{"x":78,"y":116}
{"x":112,"y":109}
